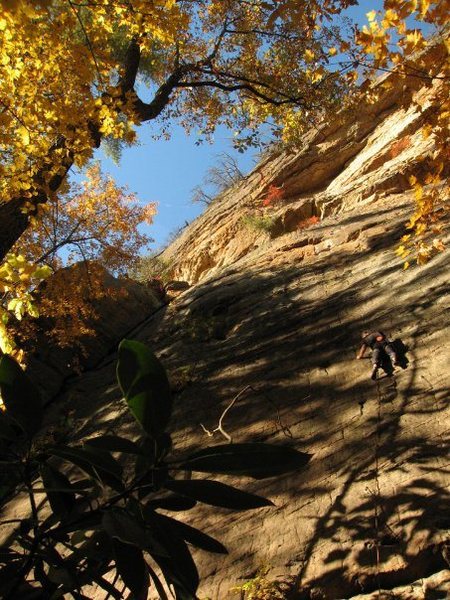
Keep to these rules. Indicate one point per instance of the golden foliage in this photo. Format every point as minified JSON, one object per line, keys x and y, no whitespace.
{"x":18,"y":277}
{"x":96,"y":222}
{"x":63,"y":64}
{"x":390,"y":44}
{"x":56,"y":69}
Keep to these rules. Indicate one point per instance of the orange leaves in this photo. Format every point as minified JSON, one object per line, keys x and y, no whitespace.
{"x":55,"y":59}
{"x":97,"y":220}
{"x":391,"y":44}
{"x":18,"y":278}
{"x":306,"y":223}
{"x":274,"y":194}
{"x":413,"y":41}
{"x":391,"y":18}
{"x":375,"y":38}
{"x":61,"y":68}
{"x":431,"y":214}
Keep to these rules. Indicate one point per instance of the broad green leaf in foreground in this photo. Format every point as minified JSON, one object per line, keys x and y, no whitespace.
{"x":61,"y":502}
{"x":193,"y":536}
{"x":97,"y":463}
{"x":173,"y":502}
{"x":122,"y":526}
{"x":178,"y":567}
{"x":145,"y":386}
{"x":131,"y":567}
{"x":216,"y":493}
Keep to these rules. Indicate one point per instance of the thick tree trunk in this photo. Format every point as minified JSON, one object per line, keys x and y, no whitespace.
{"x":13,"y":222}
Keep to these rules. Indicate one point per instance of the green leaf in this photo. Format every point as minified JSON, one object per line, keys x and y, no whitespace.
{"x":113,"y":443}
{"x":131,"y":567}
{"x":88,"y":521}
{"x":62,"y":576}
{"x":48,"y":588}
{"x":173,"y":502}
{"x":20,"y":396}
{"x":122,"y":525}
{"x":255,"y":460}
{"x":119,"y":524}
{"x":178,"y":567}
{"x":147,"y":458}
{"x":158,"y":585}
{"x":193,"y":536}
{"x":216,"y":493}
{"x":96,"y":546}
{"x":61,"y":502}
{"x":97,"y":463}
{"x":145,"y":386}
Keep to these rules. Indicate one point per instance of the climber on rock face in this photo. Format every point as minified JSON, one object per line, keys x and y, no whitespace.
{"x":379,"y":344}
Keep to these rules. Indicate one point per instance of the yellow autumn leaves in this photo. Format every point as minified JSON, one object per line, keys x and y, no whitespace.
{"x":18,"y":277}
{"x":392,"y":44}
{"x":57,"y":63}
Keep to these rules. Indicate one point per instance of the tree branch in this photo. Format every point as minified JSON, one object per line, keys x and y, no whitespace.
{"x":130,"y":66}
{"x":147,"y":112}
{"x":241,"y":86}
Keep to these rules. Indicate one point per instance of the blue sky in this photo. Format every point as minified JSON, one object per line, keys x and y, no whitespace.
{"x":166,"y":171}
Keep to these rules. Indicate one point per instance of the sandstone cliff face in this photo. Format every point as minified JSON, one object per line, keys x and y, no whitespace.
{"x":280,"y":316}
{"x":120,"y":306}
{"x":363,"y":155}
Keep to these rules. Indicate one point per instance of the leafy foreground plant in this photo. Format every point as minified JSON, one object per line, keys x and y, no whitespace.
{"x":101,"y":520}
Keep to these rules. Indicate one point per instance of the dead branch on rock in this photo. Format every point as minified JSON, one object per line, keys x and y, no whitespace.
{"x":286,"y":431}
{"x":222,"y":416}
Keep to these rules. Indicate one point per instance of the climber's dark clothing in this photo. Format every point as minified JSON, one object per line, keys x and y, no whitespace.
{"x":379,"y":343}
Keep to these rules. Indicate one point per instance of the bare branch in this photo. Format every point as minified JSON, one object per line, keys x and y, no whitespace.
{"x":222,"y":416}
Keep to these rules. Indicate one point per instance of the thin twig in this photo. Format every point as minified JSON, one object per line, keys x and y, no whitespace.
{"x":91,"y":49}
{"x":222,"y":416}
{"x":286,"y":431}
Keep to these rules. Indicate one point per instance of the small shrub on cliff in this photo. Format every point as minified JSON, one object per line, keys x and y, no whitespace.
{"x":93,"y":518}
{"x":274,"y":194}
{"x":152,"y":267}
{"x":259,"y":222}
{"x":308,"y":222}
{"x":261,"y":588}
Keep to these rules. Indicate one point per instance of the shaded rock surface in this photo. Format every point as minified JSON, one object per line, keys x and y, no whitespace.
{"x":371,"y":510}
{"x":281,"y":315}
{"x":121,"y":305}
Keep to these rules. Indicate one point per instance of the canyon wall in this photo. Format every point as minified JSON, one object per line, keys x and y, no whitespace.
{"x":276,"y":316}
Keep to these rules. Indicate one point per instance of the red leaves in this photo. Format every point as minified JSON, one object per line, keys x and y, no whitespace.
{"x":274,"y":195}
{"x":308,"y":222}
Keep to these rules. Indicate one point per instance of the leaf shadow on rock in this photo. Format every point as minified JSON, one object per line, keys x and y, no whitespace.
{"x":290,"y":331}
